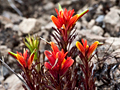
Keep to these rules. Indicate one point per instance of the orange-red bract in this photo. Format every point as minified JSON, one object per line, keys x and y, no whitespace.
{"x":57,"y":65}
{"x":25,"y":60}
{"x":85,"y":49}
{"x":65,"y":19}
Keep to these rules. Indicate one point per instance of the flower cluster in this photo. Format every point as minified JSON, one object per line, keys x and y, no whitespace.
{"x":86,"y":50}
{"x":85,"y":56}
{"x":65,"y":21}
{"x":58,"y":64}
{"x":25,"y":60}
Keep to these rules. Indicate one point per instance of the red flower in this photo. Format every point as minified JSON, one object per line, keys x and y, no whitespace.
{"x":85,"y":49}
{"x":25,"y":60}
{"x":65,"y":19}
{"x":58,"y":64}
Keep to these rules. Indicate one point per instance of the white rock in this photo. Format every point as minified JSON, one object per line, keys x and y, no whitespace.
{"x":91,"y":23}
{"x":110,"y":60}
{"x":11,"y":59}
{"x":15,"y":27}
{"x":9,"y":25}
{"x":97,"y":30}
{"x":4,"y":50}
{"x":48,"y":6}
{"x":112,"y":17}
{"x":103,"y":49}
{"x":112,"y":21}
{"x":106,"y":35}
{"x":14,"y":83}
{"x":48,"y":26}
{"x":65,"y":2}
{"x":13,"y":17}
{"x":84,"y":23}
{"x":98,"y":83}
{"x":1,"y":78}
{"x":5,"y":20}
{"x":116,"y":53}
{"x":114,"y":41}
{"x":98,"y":11}
{"x":89,"y":36}
{"x":42,"y":21}
{"x":78,"y":25}
{"x":29,"y":25}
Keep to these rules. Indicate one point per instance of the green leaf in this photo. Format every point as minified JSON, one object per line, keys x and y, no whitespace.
{"x":12,"y":54}
{"x":81,"y":14}
{"x":99,"y":44}
{"x":30,"y":48}
{"x":60,"y":8}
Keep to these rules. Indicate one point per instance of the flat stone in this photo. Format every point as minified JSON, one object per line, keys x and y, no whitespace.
{"x":48,"y":6}
{"x":87,"y":34}
{"x":97,"y":30}
{"x":114,"y":41}
{"x":78,"y":25}
{"x":48,"y":26}
{"x":4,"y":50}
{"x":13,"y":83}
{"x":9,"y":25}
{"x":5,"y":20}
{"x":65,"y":2}
{"x":112,"y":17}
{"x":110,"y":60}
{"x":91,"y":23}
{"x":13,"y":17}
{"x":116,"y":53}
{"x":106,"y":34}
{"x":29,"y":25}
{"x":112,"y":20}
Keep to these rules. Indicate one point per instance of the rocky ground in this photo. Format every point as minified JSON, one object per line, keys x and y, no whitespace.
{"x":101,"y":23}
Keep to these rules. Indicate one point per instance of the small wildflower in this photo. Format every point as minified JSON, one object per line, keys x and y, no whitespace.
{"x":85,"y":49}
{"x":58,"y":64}
{"x":25,"y":60}
{"x":65,"y":19}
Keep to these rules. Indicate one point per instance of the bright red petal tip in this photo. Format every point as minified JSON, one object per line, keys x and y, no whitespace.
{"x":92,"y":48}
{"x":80,"y":47}
{"x":56,"y":21}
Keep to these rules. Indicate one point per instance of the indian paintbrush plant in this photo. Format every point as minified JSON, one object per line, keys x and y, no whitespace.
{"x":58,"y":70}
{"x":85,"y":56}
{"x":65,"y":31}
